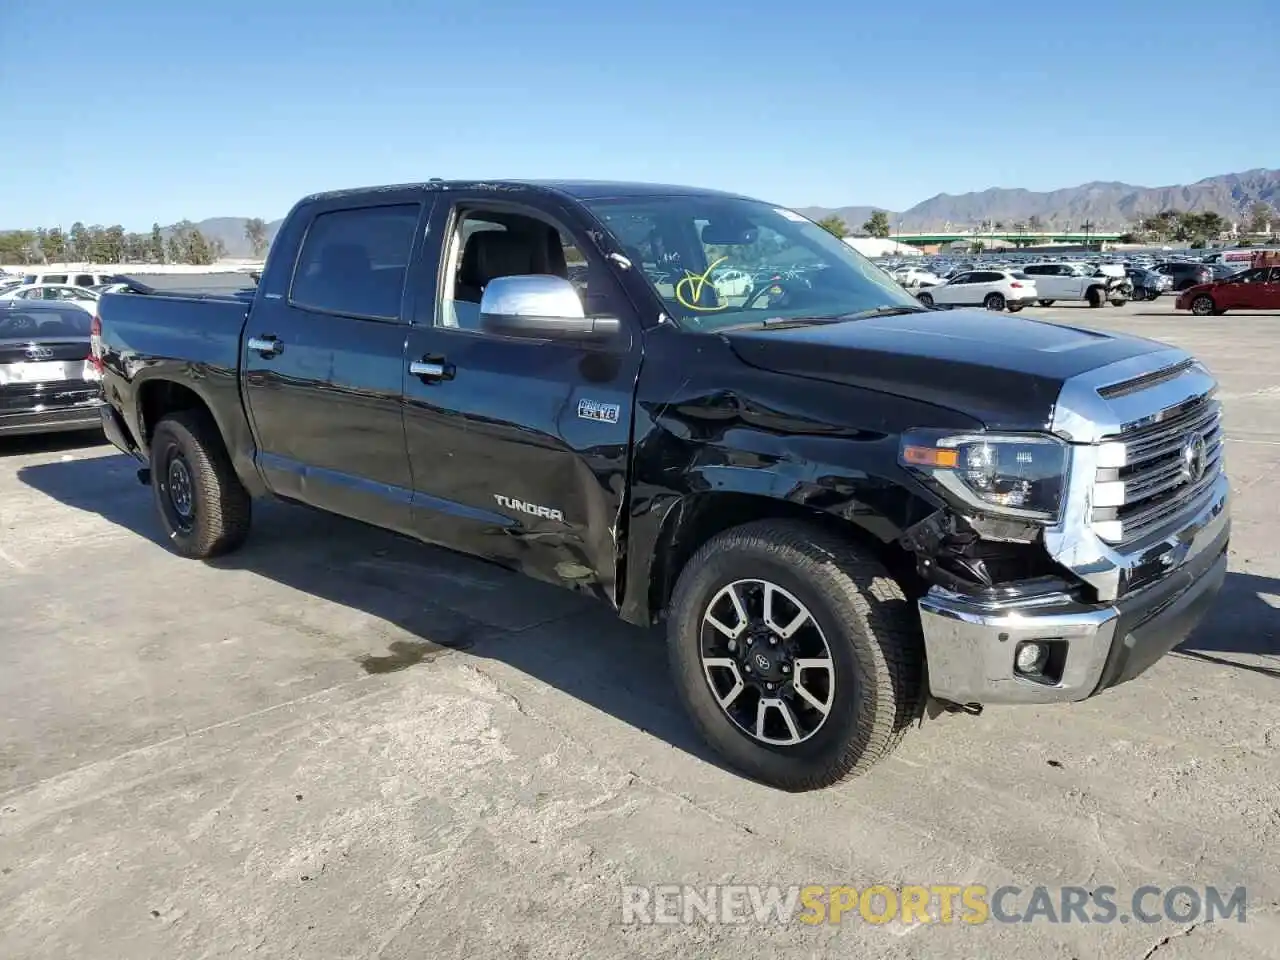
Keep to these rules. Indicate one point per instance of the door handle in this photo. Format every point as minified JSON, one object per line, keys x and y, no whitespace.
{"x":432,"y":368}
{"x":266,"y":346}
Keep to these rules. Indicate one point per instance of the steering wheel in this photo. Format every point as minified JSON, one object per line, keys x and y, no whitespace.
{"x":775,"y":288}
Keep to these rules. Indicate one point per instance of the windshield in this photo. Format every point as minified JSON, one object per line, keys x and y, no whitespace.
{"x":719,"y":261}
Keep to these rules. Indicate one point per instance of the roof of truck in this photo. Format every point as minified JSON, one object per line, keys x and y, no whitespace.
{"x":577,"y":189}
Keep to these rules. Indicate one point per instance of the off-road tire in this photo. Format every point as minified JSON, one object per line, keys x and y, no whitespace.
{"x":870,"y":628}
{"x":221,"y":507}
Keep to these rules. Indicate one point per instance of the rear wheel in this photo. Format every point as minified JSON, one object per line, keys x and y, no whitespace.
{"x":994,"y":301}
{"x":1202,"y":306}
{"x":925,"y":298}
{"x":796,"y":654}
{"x":202,"y":504}
{"x":1045,"y":303}
{"x":1095,"y":297}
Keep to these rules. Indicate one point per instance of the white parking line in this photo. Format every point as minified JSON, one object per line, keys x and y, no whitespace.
{"x":1265,"y":443}
{"x":12,"y":560}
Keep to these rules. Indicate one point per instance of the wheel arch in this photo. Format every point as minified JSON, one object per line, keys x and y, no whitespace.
{"x":158,"y":396}
{"x":690,"y":521}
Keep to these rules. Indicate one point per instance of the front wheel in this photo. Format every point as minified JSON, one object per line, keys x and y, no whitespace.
{"x":994,"y":301}
{"x":1094,"y":297}
{"x":202,"y":504}
{"x":925,"y":299}
{"x":1202,"y":306}
{"x":1139,"y":294}
{"x":796,"y":654}
{"x":1045,"y":303}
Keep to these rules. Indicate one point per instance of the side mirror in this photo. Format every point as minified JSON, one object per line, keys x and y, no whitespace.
{"x":541,"y":307}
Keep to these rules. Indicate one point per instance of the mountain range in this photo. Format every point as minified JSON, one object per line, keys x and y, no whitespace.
{"x":1105,"y":205}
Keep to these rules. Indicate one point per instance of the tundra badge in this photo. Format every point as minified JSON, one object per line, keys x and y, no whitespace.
{"x":530,"y":508}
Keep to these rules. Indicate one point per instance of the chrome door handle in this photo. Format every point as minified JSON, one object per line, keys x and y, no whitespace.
{"x":431,"y":368}
{"x":267,"y":346}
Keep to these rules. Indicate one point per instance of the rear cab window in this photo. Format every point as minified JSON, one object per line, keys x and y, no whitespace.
{"x":353,"y":262}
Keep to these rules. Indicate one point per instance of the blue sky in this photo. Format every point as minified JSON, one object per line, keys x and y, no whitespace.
{"x":143,"y":110}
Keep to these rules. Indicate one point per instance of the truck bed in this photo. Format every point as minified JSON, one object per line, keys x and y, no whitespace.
{"x":194,"y":328}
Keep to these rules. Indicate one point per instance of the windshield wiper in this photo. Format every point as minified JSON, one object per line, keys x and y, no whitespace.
{"x":884,"y":312}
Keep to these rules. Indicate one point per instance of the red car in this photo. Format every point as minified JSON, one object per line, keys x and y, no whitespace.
{"x":1254,"y":289}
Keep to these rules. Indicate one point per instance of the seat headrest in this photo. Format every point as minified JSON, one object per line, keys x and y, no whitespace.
{"x":495,"y":253}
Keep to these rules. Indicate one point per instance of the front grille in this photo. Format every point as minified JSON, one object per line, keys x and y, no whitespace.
{"x":1168,"y":468}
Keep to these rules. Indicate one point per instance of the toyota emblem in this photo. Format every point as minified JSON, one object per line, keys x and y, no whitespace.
{"x":39,"y":353}
{"x":1194,"y":453}
{"x":762,"y":661}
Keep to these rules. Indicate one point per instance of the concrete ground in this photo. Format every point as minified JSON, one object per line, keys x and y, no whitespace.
{"x":337,"y":743}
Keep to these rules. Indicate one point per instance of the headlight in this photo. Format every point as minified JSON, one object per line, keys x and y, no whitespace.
{"x":1004,"y":474}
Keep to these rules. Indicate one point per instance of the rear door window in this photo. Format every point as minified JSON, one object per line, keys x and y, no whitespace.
{"x":353,"y":262}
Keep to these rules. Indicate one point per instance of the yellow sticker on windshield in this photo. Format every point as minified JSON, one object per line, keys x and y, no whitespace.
{"x":689,"y":289}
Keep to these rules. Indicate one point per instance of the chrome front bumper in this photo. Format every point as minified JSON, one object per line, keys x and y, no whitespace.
{"x":970,"y":644}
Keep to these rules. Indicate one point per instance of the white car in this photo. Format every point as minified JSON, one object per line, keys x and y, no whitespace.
{"x":731,"y":282}
{"x":77,"y":278}
{"x":79,"y":296}
{"x":916,"y":277}
{"x":1079,"y":281}
{"x":993,"y":289}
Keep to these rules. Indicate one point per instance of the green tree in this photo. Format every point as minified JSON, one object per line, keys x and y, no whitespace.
{"x":977,"y":247}
{"x":217,"y":249}
{"x":834,"y":225}
{"x":19,"y":247}
{"x":877,"y":225}
{"x":155,"y":244}
{"x":1260,"y":215}
{"x":255,"y":231}
{"x":78,"y":242}
{"x":173,"y":252}
{"x":136,"y":248}
{"x":113,"y":244}
{"x":54,"y":245}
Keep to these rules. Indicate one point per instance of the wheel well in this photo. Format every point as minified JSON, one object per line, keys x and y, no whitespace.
{"x":157,"y":398}
{"x":698,"y":518}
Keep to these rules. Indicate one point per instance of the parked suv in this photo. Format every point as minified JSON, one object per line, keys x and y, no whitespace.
{"x":993,"y":289}
{"x":1184,"y":274}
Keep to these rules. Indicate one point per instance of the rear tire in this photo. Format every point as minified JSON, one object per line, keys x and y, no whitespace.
{"x":925,"y":298}
{"x":1203,"y":306}
{"x":872,"y":685}
{"x":204,"y":507}
{"x":994,"y":301}
{"x":1045,"y":303}
{"x":1094,"y":297}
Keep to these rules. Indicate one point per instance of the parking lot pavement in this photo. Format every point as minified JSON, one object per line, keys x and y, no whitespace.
{"x":337,"y":743}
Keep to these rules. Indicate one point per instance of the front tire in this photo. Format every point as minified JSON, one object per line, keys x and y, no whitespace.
{"x":797,"y":655}
{"x":1094,"y":297}
{"x":1203,"y":306}
{"x":925,"y":298}
{"x":203,"y":505}
{"x":994,"y":301}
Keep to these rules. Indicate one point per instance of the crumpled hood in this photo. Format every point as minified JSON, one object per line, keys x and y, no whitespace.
{"x":1004,"y":370}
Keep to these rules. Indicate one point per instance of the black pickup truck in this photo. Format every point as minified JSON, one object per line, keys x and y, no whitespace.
{"x":851,"y":511}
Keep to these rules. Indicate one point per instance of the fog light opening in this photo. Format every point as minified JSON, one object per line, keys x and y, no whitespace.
{"x":1040,"y":660}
